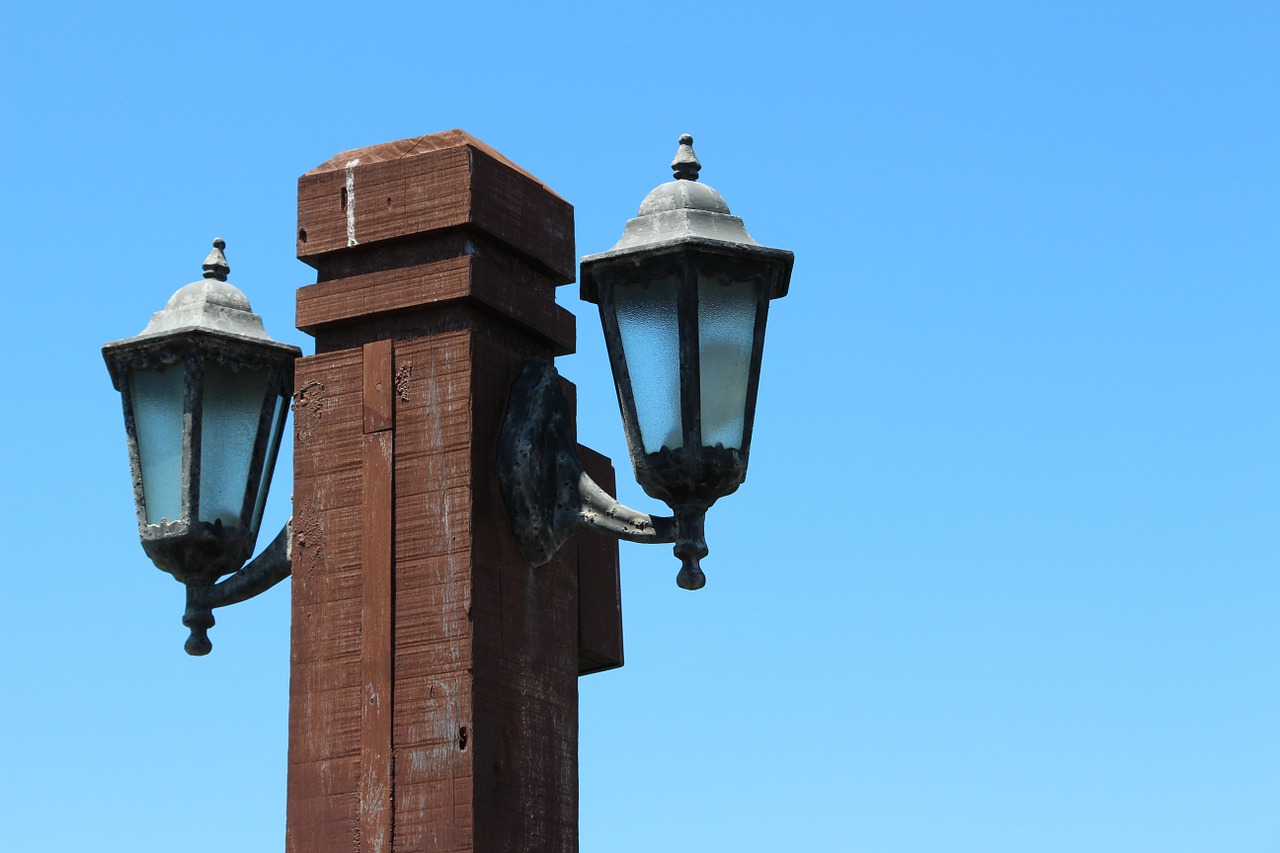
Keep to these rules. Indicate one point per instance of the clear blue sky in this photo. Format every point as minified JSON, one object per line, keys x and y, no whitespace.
{"x":1003,"y":576}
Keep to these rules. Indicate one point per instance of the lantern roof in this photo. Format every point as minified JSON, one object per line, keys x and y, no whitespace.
{"x":681,"y":214}
{"x":208,"y":307}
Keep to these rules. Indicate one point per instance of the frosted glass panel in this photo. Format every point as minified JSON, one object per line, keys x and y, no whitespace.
{"x":272,"y":448}
{"x":232,"y":406}
{"x":726,"y":332}
{"x":157,"y":416}
{"x":651,"y":341}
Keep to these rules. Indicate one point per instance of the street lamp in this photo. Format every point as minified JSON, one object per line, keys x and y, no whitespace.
{"x":683,"y":298}
{"x":205,"y":393}
{"x":433,"y":670}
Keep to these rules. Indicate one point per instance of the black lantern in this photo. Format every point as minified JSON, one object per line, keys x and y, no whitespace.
{"x":205,"y":393}
{"x":684,"y":297}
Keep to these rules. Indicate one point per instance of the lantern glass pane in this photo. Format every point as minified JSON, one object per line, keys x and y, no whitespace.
{"x":229,"y":428}
{"x":277,"y":427}
{"x":650,"y":330}
{"x":158,"y":404}
{"x":726,"y":335}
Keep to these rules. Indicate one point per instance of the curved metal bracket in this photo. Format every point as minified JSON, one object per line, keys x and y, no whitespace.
{"x":549,"y":496}
{"x":266,"y":570}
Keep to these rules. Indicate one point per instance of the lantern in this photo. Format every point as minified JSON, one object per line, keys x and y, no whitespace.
{"x":205,"y":393}
{"x":684,"y":297}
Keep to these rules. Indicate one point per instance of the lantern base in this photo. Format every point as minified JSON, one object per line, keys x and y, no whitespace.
{"x":196,"y":552}
{"x":681,"y":478}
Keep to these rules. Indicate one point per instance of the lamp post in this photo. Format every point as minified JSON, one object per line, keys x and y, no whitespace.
{"x":442,"y":607}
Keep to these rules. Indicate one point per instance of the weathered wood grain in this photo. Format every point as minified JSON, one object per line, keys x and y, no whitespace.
{"x":325,"y":716}
{"x":377,"y":814}
{"x":599,"y":583}
{"x":526,"y":304}
{"x":378,"y":391}
{"x":413,"y":187}
{"x":434,"y":660}
{"x":525,"y":648}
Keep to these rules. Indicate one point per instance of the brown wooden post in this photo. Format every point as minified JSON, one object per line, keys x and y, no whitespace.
{"x":433,"y":695}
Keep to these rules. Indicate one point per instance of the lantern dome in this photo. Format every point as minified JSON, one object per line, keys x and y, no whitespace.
{"x":683,"y":194}
{"x":208,"y":302}
{"x":682,"y":211}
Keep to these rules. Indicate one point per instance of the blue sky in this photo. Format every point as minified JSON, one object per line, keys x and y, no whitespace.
{"x":1003,"y":576}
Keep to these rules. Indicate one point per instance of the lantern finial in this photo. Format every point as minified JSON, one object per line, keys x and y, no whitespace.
{"x":686,"y":165}
{"x":215,"y":266}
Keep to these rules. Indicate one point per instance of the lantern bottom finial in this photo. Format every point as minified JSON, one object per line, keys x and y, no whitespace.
{"x":691,"y":546}
{"x":199,"y":618}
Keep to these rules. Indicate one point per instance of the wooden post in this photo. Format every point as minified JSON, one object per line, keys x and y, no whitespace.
{"x":433,"y":694}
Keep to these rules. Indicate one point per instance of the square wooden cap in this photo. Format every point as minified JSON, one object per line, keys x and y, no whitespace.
{"x":432,"y":183}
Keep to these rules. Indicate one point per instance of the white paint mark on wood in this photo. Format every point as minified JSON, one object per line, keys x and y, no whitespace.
{"x":351,"y":201}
